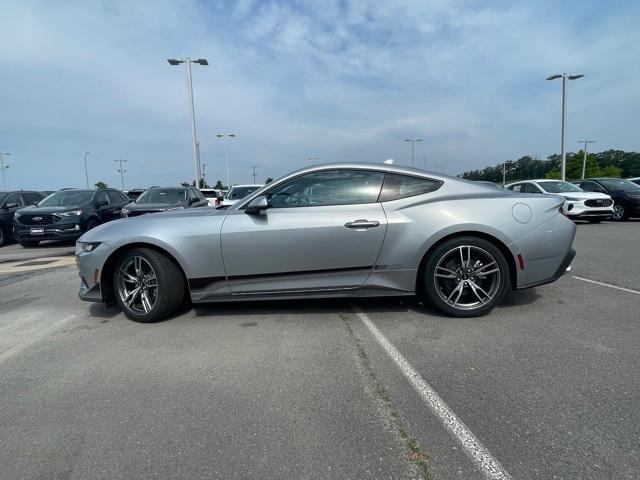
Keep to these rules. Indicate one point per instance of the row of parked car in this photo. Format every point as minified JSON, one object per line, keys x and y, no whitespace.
{"x":592,"y":199}
{"x":31,"y":217}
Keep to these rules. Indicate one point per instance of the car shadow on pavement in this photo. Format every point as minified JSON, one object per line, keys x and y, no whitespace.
{"x":100,"y":310}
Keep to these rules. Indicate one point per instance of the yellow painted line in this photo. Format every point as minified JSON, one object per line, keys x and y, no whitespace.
{"x":32,"y":264}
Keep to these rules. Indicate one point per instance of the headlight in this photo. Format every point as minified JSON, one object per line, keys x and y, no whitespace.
{"x":72,"y":213}
{"x":571,"y":199}
{"x":125,"y":211}
{"x":16,"y":215}
{"x":89,"y":246}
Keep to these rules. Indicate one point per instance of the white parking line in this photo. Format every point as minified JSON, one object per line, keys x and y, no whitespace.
{"x":602,"y":284}
{"x":481,"y":457}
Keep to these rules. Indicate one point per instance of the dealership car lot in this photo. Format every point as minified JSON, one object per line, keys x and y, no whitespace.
{"x":547,"y":382}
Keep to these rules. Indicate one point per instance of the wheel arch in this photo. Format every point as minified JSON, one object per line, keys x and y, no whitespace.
{"x":108,"y":268}
{"x":508,"y":255}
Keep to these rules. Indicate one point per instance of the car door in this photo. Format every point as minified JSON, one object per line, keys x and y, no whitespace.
{"x":323,"y":230}
{"x":11,"y":203}
{"x":116,"y":202}
{"x":103,"y":206}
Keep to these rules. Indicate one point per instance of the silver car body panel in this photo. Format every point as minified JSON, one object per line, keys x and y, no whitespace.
{"x":307,"y":251}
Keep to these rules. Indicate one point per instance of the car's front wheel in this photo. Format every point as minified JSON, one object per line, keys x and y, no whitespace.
{"x":620,"y":212}
{"x":466,"y":277}
{"x":148,"y":286}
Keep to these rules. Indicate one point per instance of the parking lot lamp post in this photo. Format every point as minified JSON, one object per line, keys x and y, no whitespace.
{"x":121,"y":170}
{"x":192,"y":115}
{"x":226,"y":152}
{"x":86,"y":172}
{"x":413,"y":149}
{"x":584,"y":158}
{"x":564,"y":77}
{"x":2,"y":167}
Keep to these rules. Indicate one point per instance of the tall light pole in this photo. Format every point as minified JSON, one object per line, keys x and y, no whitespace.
{"x":584,"y":158}
{"x":254,"y":174}
{"x":564,"y":77}
{"x":226,"y":152}
{"x":504,"y":172}
{"x":2,"y":167}
{"x":192,"y":114}
{"x":122,"y":170}
{"x":204,"y":174}
{"x":413,"y":149}
{"x":86,"y":172}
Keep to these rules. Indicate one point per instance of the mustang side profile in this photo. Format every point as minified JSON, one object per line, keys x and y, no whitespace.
{"x":334,"y":230}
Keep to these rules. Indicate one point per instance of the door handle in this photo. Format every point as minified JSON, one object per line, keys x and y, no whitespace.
{"x":362,"y":224}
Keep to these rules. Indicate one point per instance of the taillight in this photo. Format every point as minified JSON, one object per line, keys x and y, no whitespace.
{"x":217,"y":202}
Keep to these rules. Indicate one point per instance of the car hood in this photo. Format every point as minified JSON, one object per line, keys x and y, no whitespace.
{"x":147,"y":227}
{"x":584,"y":195}
{"x":34,"y":209}
{"x":152,"y":206}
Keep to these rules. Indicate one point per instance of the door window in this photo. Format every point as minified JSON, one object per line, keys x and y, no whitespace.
{"x":401,"y":186}
{"x":592,"y":187}
{"x":101,"y":197}
{"x":333,"y":187}
{"x":114,"y":198}
{"x":31,"y":197}
{"x":14,"y":198}
{"x":516,"y":188}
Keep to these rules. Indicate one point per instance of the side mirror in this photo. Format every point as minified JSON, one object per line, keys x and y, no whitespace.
{"x":257,"y":205}
{"x":11,"y":205}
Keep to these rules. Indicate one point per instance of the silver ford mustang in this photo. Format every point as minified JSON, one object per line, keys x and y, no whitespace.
{"x":335,"y":230}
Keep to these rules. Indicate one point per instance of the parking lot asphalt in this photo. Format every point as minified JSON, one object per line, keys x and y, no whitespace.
{"x":547,"y":383}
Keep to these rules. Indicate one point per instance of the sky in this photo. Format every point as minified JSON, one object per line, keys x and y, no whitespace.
{"x":298,"y":81}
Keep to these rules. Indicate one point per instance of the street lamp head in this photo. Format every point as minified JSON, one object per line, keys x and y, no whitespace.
{"x":174,"y":61}
{"x":232,"y":135}
{"x":575,"y":76}
{"x":219,"y":135}
{"x":553,"y":77}
{"x":418,"y":139}
{"x":201,"y":61}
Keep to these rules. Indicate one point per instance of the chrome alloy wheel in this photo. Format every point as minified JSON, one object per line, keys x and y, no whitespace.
{"x":137,"y":285}
{"x":618,"y":212}
{"x":467,"y":277}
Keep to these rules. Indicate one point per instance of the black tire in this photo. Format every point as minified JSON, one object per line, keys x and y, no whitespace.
{"x":474,"y":284}
{"x":594,"y":220}
{"x":620,"y":212}
{"x":29,"y":243}
{"x":4,"y":238}
{"x":170,"y":289}
{"x":91,"y":223}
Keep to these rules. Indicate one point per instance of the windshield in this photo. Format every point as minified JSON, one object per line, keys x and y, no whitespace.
{"x":559,"y":187}
{"x":619,"y":184}
{"x":236,"y":193}
{"x":67,"y":197}
{"x":162,"y":195}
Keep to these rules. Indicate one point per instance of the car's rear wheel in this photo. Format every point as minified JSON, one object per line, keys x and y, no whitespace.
{"x":91,"y":224}
{"x":148,"y":286}
{"x":29,"y":243}
{"x":620,"y":212}
{"x":466,"y":277}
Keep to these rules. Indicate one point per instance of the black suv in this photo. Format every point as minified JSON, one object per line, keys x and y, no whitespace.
{"x":161,"y":199}
{"x":66,"y":215}
{"x":9,"y":203}
{"x":625,"y":194}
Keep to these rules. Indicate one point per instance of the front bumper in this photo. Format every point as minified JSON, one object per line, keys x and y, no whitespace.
{"x":62,"y":231}
{"x":90,"y":265}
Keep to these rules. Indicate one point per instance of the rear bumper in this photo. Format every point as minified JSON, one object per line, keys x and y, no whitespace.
{"x":564,"y":267}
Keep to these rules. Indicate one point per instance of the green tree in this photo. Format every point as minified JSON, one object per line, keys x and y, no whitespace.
{"x":268,"y":180}
{"x":101,"y":184}
{"x":219,"y":186}
{"x":185,"y":184}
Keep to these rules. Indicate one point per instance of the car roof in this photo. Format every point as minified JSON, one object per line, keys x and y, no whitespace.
{"x":247,"y":185}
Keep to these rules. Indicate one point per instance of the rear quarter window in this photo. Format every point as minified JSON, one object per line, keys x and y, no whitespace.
{"x":398,"y":186}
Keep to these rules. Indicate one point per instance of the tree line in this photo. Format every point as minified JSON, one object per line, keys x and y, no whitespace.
{"x":610,"y":163}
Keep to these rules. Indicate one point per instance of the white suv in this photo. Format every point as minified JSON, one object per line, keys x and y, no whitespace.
{"x":579,"y":205}
{"x":238,"y":192}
